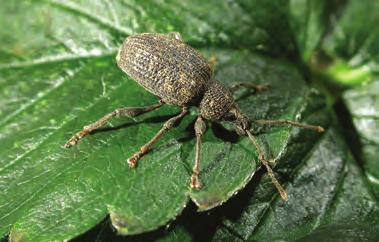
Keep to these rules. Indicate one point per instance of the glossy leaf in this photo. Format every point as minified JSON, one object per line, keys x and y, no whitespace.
{"x":363,"y":105}
{"x":329,"y":201}
{"x":352,"y":43}
{"x":60,"y":75}
{"x":310,"y":20}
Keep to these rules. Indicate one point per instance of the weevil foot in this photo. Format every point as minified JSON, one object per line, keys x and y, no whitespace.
{"x":75,"y":138}
{"x":132,"y":161}
{"x":195,"y":182}
{"x":320,"y":129}
{"x":262,"y":87}
{"x":71,"y":142}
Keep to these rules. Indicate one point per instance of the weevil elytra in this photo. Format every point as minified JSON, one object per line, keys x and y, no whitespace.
{"x":179,"y":75}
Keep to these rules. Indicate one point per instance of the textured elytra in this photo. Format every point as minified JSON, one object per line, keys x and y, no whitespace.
{"x":165,"y":66}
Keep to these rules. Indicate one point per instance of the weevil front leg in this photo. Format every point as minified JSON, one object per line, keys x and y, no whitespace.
{"x":270,"y":172}
{"x":199,"y":131}
{"x":132,"y":161}
{"x":120,"y":112}
{"x":254,"y":87}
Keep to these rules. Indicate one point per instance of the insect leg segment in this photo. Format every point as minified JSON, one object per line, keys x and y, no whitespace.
{"x":175,"y":35}
{"x":270,"y":172}
{"x":136,"y":111}
{"x":256,"y":88}
{"x":213,"y":62}
{"x":132,"y":161}
{"x":200,"y":128}
{"x":292,"y":123}
{"x":120,"y":112}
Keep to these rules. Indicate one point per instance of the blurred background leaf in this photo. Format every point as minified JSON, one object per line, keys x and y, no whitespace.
{"x":352,"y":43}
{"x":363,"y":105}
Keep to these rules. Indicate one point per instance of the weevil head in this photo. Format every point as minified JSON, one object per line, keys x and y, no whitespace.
{"x":242,"y":123}
{"x":218,"y":104}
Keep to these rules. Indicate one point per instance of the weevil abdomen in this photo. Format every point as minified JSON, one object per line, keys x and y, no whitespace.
{"x":165,"y":66}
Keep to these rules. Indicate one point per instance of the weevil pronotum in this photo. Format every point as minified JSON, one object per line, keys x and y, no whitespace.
{"x":179,"y":75}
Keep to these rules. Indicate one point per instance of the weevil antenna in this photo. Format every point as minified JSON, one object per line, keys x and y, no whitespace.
{"x":270,"y":173}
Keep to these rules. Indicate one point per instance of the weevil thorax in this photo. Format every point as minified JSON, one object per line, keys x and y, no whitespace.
{"x":218,"y":104}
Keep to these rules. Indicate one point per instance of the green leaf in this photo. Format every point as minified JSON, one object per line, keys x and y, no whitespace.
{"x":59,"y":74}
{"x":269,"y":20}
{"x":310,"y":20}
{"x":329,"y":201}
{"x":352,"y":43}
{"x":363,"y":105}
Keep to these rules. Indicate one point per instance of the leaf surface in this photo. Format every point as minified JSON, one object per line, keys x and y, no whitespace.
{"x":59,"y":74}
{"x":352,"y":43}
{"x":363,"y":105}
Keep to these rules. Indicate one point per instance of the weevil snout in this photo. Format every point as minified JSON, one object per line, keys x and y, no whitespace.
{"x":242,"y":123}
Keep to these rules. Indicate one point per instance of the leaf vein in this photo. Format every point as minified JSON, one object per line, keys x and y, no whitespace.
{"x":75,"y":8}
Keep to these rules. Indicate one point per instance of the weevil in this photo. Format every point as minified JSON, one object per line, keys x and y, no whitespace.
{"x":179,"y":75}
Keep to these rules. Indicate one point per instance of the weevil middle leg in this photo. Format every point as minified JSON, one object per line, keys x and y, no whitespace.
{"x":200,"y":128}
{"x":120,"y":112}
{"x":254,"y":87}
{"x":132,"y":161}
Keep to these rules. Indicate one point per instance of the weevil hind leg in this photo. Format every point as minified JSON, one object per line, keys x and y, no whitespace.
{"x":169,"y":124}
{"x":120,"y":112}
{"x":200,"y":128}
{"x":255,"y":87}
{"x":175,"y":35}
{"x":213,"y":62}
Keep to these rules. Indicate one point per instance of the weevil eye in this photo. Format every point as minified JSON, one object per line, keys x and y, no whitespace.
{"x":230,"y":117}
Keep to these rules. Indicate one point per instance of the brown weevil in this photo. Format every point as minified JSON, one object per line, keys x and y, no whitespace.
{"x":179,"y":75}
